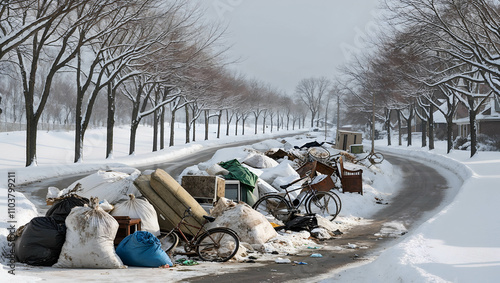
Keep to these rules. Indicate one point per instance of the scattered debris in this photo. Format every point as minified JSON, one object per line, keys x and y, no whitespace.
{"x":280,"y":260}
{"x":185,"y":261}
{"x":351,"y":246}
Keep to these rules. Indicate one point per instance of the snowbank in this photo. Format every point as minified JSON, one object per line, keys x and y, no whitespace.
{"x":460,"y":243}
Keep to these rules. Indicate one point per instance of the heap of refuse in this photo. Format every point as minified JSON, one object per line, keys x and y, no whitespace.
{"x":80,"y":228}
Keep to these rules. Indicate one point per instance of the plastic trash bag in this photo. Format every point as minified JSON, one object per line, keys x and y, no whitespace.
{"x":62,"y":207}
{"x":300,"y":223}
{"x":142,"y":249}
{"x":139,"y":208}
{"x":89,"y":239}
{"x":40,"y":242}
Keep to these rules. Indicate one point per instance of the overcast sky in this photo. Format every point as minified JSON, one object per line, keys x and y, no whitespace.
{"x":284,"y":41}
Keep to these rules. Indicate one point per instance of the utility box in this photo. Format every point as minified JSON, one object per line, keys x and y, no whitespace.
{"x":204,"y":188}
{"x":345,"y":139}
{"x":356,"y":148}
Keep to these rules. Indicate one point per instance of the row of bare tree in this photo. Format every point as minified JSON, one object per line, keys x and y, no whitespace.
{"x":438,"y":54}
{"x":135,"y":59}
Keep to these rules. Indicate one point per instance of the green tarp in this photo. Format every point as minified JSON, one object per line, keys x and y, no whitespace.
{"x":238,"y":172}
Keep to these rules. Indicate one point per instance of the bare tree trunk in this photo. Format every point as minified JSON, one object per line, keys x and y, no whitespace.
{"x":186,"y":109}
{"x":110,"y":121}
{"x":272,"y":118}
{"x":155,"y":122}
{"x":388,"y":125}
{"x":31,"y":131}
{"x":409,"y":125}
{"x":236,"y":126}
{"x":431,"y":126}
{"x":133,"y":126}
{"x":172,"y":127}
{"x":400,"y":134}
{"x":449,"y":133}
{"x":424,"y":133}
{"x":206,"y":124}
{"x":243,"y":126}
{"x":228,"y":122}
{"x":219,"y":117}
{"x":78,"y":129}
{"x":473,"y":134}
{"x":256,"y":121}
{"x":162,"y":128}
{"x":194,"y":126}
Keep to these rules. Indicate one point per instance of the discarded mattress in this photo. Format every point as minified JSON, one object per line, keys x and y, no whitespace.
{"x":170,"y":201}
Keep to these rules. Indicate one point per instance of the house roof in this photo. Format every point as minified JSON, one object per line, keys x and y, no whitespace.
{"x":438,"y":115}
{"x":490,"y":113}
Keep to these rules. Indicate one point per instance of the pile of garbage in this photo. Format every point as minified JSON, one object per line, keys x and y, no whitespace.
{"x":80,"y":228}
{"x":80,"y":232}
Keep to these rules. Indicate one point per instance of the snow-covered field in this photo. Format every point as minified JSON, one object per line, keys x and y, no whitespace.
{"x":460,"y":243}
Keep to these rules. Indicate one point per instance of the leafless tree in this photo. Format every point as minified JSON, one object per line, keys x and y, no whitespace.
{"x":20,"y":20}
{"x":56,"y":44}
{"x":311,"y":91}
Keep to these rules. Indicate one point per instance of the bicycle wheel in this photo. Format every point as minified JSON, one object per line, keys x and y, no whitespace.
{"x":217,"y":244}
{"x":339,"y":202}
{"x":376,"y":158}
{"x":274,"y":206}
{"x":322,"y":203}
{"x":168,"y":241}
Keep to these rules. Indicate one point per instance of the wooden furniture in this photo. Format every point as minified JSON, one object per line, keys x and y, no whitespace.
{"x":126,"y":227}
{"x":209,"y":188}
{"x":312,"y":168}
{"x":352,"y":180}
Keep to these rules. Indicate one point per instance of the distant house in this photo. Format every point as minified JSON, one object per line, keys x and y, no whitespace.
{"x":487,"y":121}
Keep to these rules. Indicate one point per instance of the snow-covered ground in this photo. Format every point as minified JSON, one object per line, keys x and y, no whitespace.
{"x":460,"y":243}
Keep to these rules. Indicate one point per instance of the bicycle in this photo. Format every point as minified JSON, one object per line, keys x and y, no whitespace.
{"x":216,"y":244}
{"x":315,"y":202}
{"x":373,"y":157}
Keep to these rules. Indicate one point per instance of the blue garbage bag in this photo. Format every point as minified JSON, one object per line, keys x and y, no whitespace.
{"x":142,"y":249}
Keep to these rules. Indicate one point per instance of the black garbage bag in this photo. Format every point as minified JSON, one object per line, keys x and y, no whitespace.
{"x":310,"y":144}
{"x":41,"y":242}
{"x":61,"y":208}
{"x":301,"y":223}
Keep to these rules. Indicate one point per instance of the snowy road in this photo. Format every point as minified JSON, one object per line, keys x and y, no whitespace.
{"x":37,"y":191}
{"x":423,"y":190}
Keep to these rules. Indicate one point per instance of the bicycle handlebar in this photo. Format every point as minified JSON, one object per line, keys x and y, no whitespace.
{"x":187,"y":212}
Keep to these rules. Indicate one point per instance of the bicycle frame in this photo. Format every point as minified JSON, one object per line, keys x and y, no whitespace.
{"x":307,"y":187}
{"x":201,"y":230}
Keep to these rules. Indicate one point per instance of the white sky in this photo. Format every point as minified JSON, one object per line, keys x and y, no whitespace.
{"x":284,"y":41}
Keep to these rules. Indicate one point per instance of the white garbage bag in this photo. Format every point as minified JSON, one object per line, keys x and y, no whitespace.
{"x":110,"y":185}
{"x":90,"y":233}
{"x":139,"y":208}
